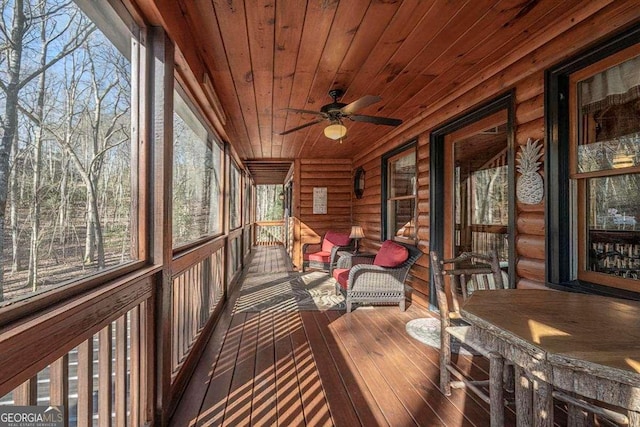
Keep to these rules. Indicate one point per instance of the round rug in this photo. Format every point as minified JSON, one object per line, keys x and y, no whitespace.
{"x":427,"y":331}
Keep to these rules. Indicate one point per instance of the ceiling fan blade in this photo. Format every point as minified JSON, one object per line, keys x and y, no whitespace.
{"x":358,"y":104}
{"x":376,"y":120}
{"x":286,"y":132}
{"x":296,"y":110}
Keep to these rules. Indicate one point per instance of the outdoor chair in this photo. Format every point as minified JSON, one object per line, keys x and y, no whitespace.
{"x":467,"y":273}
{"x":365,"y":279}
{"x":323,"y":255}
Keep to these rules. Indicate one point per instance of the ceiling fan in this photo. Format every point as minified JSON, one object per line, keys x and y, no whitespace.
{"x":336,"y":112}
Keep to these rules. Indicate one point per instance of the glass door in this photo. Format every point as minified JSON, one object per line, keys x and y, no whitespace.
{"x":476,"y":183}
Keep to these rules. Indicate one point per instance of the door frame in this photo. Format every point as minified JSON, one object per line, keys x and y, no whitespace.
{"x":437,"y":146}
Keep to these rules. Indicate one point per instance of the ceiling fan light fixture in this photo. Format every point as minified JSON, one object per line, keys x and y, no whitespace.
{"x":335,"y":131}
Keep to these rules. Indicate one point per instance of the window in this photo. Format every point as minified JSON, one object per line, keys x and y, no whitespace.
{"x":471,"y":182}
{"x":400,"y":181}
{"x":248,"y":195}
{"x":593,"y":169}
{"x":605,"y":165}
{"x":481,"y":187}
{"x":66,"y":135}
{"x":197,"y":163}
{"x":235,"y":218}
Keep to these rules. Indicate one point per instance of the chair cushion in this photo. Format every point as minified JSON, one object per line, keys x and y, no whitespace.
{"x":342,"y":276}
{"x":391,"y":255}
{"x":321,"y":256}
{"x":333,"y":238}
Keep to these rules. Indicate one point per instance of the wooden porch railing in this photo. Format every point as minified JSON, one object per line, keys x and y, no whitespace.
{"x":101,"y":353}
{"x":484,"y":238}
{"x":91,"y":355}
{"x":198,"y":290}
{"x":269,"y":233}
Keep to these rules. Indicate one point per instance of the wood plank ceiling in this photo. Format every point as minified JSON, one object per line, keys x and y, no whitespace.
{"x":264,"y":56}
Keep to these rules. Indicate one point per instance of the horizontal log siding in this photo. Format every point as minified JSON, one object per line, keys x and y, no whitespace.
{"x":522,"y":71}
{"x":334,"y":174}
{"x":367,"y":213}
{"x":530,"y":241}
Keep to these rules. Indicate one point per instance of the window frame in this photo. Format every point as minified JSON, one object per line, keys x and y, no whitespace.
{"x":438,"y":181}
{"x":565,"y":188}
{"x":211,"y":141}
{"x":129,"y":35}
{"x":582,"y":178}
{"x":238,"y":194}
{"x":396,"y":153}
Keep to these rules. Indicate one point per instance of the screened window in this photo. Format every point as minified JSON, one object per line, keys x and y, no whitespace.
{"x":197,"y":163}
{"x":400,"y":212}
{"x":247,"y":200}
{"x":66,"y":145}
{"x":235,"y":215}
{"x":605,"y":164}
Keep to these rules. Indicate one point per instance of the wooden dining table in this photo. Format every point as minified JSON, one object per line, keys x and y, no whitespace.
{"x":581,"y":349}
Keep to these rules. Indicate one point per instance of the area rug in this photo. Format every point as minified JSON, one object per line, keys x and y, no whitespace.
{"x":288,"y":292}
{"x":427,"y":331}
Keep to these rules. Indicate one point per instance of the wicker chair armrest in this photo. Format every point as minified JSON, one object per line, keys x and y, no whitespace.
{"x":348,"y":261}
{"x":309,"y":248}
{"x":366,"y":278}
{"x":336,"y":249}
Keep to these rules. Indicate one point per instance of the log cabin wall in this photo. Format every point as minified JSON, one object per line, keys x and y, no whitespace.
{"x":522,"y":72}
{"x":336,"y":176}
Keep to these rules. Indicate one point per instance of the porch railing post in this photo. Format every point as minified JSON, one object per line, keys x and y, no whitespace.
{"x":161,"y":235}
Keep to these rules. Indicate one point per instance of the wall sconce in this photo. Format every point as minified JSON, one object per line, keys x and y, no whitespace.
{"x":281,"y":196}
{"x":358,"y":183}
{"x":335,"y":131}
{"x":357,"y":233}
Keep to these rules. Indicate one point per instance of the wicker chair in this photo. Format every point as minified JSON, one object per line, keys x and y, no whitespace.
{"x":323,"y":255}
{"x":467,"y":273}
{"x":365,"y":279}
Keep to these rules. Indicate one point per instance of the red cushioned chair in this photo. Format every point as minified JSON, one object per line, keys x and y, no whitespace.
{"x":323,"y":255}
{"x":376,"y":280}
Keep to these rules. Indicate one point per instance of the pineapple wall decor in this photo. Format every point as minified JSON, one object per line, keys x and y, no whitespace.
{"x":529,"y":187}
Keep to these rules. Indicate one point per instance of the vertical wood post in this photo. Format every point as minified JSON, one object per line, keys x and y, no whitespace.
{"x":296,"y":253}
{"x":542,"y":404}
{"x":226,"y":216}
{"x":105,"y":386}
{"x":161,"y":228}
{"x":524,"y":399}
{"x":27,"y":393}
{"x":496,"y":392}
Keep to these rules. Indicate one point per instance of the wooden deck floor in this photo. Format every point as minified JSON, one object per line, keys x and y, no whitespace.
{"x":322,"y":368}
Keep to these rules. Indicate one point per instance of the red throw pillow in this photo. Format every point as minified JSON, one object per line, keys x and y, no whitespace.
{"x":391,"y":254}
{"x":332,"y":238}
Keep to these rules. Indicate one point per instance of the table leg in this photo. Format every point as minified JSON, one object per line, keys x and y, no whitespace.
{"x":542,"y":404}
{"x":524,"y":399}
{"x":576,"y":417}
{"x":496,"y":389}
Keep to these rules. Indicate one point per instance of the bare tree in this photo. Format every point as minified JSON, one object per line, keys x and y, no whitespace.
{"x":14,"y":79}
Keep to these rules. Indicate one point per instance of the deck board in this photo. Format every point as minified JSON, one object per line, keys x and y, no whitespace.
{"x":321,"y":368}
{"x":263,"y":409}
{"x":328,"y":373}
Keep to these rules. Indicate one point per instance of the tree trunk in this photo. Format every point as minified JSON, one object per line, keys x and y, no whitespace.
{"x":97,"y":224}
{"x":13,"y":196}
{"x":63,"y":208}
{"x":14,"y":61}
{"x":32,"y":278}
{"x":89,"y":239}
